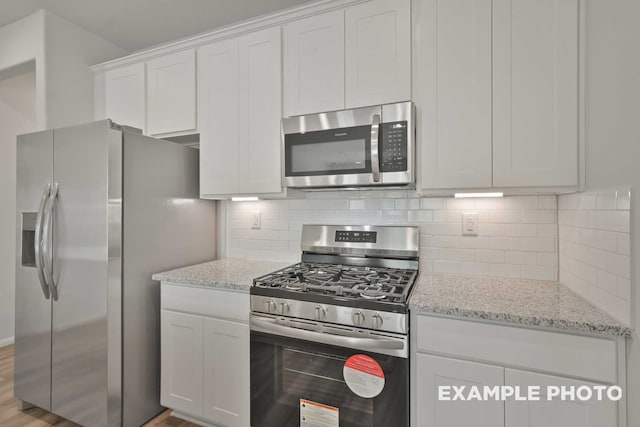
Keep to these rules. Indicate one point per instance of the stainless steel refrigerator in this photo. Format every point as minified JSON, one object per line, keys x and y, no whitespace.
{"x":100,"y":208}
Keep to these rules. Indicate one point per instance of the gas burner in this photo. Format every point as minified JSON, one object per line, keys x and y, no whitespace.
{"x":373,"y":291}
{"x":354,"y":282}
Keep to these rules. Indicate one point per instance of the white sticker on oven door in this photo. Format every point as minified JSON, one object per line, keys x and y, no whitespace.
{"x":314,"y":414}
{"x":363,"y":375}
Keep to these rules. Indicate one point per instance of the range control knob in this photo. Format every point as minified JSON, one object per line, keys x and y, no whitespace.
{"x":270,"y":306}
{"x":376,"y":321}
{"x":284,"y":308}
{"x":321,"y":313}
{"x":358,"y":318}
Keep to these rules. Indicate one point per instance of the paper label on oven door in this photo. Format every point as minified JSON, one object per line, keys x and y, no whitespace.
{"x":363,"y":375}
{"x":313,"y":414}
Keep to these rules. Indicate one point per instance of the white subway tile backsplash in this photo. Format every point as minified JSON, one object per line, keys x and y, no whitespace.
{"x":475,"y":269}
{"x":453,"y":267}
{"x":507,"y":243}
{"x":433,"y":203}
{"x":623,"y":199}
{"x":485,"y":229}
{"x":490,"y":256}
{"x":538,"y":244}
{"x":521,"y":230}
{"x":407,"y":204}
{"x":523,"y":258}
{"x":548,"y":202}
{"x":595,"y":247}
{"x":505,"y":216}
{"x":505,"y":270}
{"x":540,"y":216}
{"x":539,"y":272}
{"x":504,"y":226}
{"x":452,"y":215}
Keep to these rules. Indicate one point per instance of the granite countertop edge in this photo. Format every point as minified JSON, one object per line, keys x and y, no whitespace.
{"x":525,"y":321}
{"x":422,"y":304}
{"x":228,"y":274}
{"x":214,"y":284}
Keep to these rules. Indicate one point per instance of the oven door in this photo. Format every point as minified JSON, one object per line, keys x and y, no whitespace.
{"x":306,"y":378}
{"x":332,"y":149}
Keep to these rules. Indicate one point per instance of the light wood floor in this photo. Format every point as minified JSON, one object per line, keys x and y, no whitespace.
{"x":36,"y":417}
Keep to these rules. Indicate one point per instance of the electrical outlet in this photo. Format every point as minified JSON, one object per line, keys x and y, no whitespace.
{"x":256,"y":220}
{"x":470,"y":223}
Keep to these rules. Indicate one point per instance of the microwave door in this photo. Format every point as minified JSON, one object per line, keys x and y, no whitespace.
{"x":332,"y":157}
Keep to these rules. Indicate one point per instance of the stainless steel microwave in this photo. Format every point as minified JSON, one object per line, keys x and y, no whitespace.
{"x":369,"y":146}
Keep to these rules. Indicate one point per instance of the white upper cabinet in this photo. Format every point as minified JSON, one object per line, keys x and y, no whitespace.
{"x":455,"y":80}
{"x":260,"y":111}
{"x":218,"y":118}
{"x":535,"y":92}
{"x":497,"y":85}
{"x":378,"y":52}
{"x":314,"y":64}
{"x":124,"y":95}
{"x":171,"y":93}
{"x":239,"y":111}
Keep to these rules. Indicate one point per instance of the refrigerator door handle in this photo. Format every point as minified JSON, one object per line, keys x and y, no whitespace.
{"x":47,"y":243}
{"x":37,"y":243}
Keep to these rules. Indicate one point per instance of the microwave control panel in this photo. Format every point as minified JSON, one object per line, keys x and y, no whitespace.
{"x":393,"y":146}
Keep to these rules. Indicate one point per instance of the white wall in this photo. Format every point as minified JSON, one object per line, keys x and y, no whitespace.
{"x":17,"y":116}
{"x":613,"y":134}
{"x":517,"y":235}
{"x":22,"y":42}
{"x":69,"y":51}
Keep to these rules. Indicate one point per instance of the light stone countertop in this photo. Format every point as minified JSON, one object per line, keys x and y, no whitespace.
{"x":531,"y":303}
{"x":235,"y":274}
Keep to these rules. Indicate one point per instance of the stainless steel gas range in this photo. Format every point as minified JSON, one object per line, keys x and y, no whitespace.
{"x":329,"y":335}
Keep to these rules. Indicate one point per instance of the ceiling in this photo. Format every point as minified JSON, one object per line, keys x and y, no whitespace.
{"x":138,"y":24}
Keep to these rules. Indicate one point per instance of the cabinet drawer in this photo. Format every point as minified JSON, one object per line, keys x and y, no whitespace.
{"x":570,"y":355}
{"x":205,"y":301}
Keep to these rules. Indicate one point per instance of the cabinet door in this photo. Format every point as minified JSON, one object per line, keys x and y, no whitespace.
{"x":555,"y":413}
{"x":181,"y":366}
{"x":171,"y":93}
{"x":124,"y":95}
{"x":433,"y":371}
{"x":218,"y":117}
{"x":226,"y":372}
{"x":455,"y":77}
{"x":378,"y":52}
{"x":314,"y":64}
{"x":535,"y":93}
{"x":260,"y":111}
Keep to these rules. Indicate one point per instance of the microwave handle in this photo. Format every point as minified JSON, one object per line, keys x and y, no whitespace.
{"x":375,"y":152}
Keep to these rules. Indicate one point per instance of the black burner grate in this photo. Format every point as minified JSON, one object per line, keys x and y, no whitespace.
{"x":377,"y":283}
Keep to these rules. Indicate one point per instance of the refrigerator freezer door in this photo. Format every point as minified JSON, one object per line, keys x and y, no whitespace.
{"x":80,"y":341}
{"x":33,"y":309}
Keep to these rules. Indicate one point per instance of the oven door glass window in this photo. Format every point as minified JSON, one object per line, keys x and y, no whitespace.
{"x":329,"y":152}
{"x":284,"y":371}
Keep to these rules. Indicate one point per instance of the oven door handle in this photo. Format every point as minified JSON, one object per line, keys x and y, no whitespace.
{"x":377,"y":345}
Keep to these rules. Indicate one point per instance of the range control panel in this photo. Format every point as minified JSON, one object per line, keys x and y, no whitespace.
{"x":356,"y":236}
{"x":393,"y":143}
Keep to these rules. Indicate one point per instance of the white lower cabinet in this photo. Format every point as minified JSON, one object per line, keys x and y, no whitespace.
{"x":433,"y":372}
{"x":457,"y":353}
{"x":205,"y":355}
{"x":555,"y":413}
{"x":181,"y":350}
{"x":226,"y":372}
